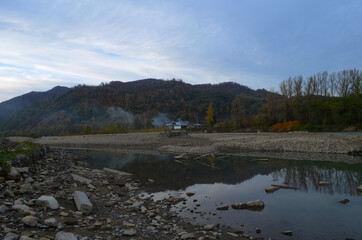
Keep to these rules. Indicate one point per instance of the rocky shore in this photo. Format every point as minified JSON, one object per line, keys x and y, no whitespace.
{"x":50,"y":195}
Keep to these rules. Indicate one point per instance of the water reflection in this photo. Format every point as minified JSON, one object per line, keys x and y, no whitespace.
{"x":311,"y":212}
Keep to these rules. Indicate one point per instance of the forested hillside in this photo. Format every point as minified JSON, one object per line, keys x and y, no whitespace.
{"x":117,"y":106}
{"x":322,"y":102}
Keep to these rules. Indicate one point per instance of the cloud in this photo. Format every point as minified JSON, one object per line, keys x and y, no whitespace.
{"x":255,"y":43}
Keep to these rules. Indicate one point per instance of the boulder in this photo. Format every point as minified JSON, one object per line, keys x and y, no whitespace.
{"x":251,"y":205}
{"x":48,"y":201}
{"x":65,"y":236}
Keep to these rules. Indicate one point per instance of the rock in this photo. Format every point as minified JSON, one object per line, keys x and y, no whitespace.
{"x":190,"y":194}
{"x":322,"y":183}
{"x":30,"y":221}
{"x":81,"y":179}
{"x":13,"y":174}
{"x":52,"y":222}
{"x":288,"y":233}
{"x":344,"y":201}
{"x":223,"y":207}
{"x":258,"y":230}
{"x":65,"y":236}
{"x":129,"y":232}
{"x":130,"y":187}
{"x":271,"y":189}
{"x":209,"y":227}
{"x":22,"y":207}
{"x":188,"y":236}
{"x":117,"y":172}
{"x":9,"y":193}
{"x":24,"y":188}
{"x":359,"y":189}
{"x":82,"y":202}
{"x":11,"y":236}
{"x":252,"y":205}
{"x":26,"y":238}
{"x":232,"y":234}
{"x":3,"y":208}
{"x":23,"y":170}
{"x":143,"y":209}
{"x":48,"y":201}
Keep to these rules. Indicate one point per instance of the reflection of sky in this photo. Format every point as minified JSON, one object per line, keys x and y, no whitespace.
{"x":311,"y":213}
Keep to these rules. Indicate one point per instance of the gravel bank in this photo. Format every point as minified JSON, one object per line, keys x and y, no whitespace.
{"x":200,"y":143}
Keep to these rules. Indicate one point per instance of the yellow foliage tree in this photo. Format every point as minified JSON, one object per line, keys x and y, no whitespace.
{"x":210,"y":115}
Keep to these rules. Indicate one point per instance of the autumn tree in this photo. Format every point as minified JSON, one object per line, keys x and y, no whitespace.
{"x":210,"y":118}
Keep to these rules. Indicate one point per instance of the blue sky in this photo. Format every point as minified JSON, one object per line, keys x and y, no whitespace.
{"x":257,"y":43}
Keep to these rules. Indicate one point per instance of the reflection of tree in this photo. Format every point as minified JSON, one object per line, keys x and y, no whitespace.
{"x":172,"y":175}
{"x":345,"y":178}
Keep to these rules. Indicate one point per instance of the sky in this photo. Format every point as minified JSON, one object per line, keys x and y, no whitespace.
{"x":257,"y":43}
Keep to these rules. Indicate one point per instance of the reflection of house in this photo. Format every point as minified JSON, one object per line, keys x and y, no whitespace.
{"x":178,"y":125}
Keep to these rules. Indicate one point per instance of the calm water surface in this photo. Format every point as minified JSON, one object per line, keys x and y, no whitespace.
{"x":311,"y":212}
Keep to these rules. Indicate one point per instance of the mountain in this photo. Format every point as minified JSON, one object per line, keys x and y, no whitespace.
{"x":134,"y":104}
{"x":10,"y":106}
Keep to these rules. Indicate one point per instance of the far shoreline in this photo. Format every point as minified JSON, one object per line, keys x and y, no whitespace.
{"x":217,"y":143}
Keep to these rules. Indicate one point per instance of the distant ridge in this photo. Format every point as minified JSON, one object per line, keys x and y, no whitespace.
{"x":133,"y":104}
{"x":12,"y":105}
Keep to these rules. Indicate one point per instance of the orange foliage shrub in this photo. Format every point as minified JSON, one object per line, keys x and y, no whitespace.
{"x":285,"y":126}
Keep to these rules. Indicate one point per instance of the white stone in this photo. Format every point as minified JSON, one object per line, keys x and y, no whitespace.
{"x":82,"y":202}
{"x":48,"y":201}
{"x":65,"y":236}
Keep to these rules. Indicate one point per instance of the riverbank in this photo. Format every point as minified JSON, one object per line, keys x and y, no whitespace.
{"x":202,"y":143}
{"x":40,"y":199}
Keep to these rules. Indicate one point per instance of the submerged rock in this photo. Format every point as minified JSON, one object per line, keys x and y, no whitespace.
{"x":271,"y":189}
{"x":322,"y":183}
{"x":251,"y":205}
{"x":344,"y":201}
{"x":288,"y":233}
{"x":223,"y":207}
